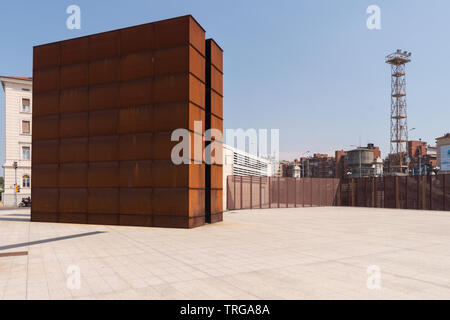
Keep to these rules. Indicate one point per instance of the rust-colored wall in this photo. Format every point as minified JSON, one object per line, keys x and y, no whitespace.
{"x":214,"y":120}
{"x":104,"y":109}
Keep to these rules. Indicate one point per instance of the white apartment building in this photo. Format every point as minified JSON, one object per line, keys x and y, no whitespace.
{"x":17,"y":123}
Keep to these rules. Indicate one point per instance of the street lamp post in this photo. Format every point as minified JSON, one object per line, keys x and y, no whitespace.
{"x":15,"y":182}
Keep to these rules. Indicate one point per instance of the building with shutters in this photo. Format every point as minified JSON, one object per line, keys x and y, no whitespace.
{"x":17,"y":119}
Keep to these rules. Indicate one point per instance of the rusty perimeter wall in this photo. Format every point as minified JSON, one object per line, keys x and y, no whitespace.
{"x":419,"y":192}
{"x":104,"y":109}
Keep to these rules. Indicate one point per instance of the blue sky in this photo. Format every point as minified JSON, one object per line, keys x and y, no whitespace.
{"x":308,"y":67}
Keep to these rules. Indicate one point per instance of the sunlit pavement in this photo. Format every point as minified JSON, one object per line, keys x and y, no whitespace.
{"x":303,"y":253}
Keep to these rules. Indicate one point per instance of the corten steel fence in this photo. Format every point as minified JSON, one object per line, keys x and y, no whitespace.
{"x":419,"y":192}
{"x":268,"y":192}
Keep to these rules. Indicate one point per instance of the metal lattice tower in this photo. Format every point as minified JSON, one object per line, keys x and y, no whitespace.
{"x":399,"y":119}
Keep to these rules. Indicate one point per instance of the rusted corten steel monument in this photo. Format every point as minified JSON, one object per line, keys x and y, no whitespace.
{"x":105,"y":107}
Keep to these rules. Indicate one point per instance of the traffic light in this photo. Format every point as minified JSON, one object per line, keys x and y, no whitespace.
{"x":17,"y":188}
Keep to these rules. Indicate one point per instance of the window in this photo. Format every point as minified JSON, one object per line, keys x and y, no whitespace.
{"x":25,"y":89}
{"x":26,"y":105}
{"x":26,"y":154}
{"x":26,"y":181}
{"x":26,"y":127}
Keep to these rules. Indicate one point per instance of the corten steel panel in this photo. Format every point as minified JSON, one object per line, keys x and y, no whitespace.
{"x":177,"y":222}
{"x":307,"y":187}
{"x":274,"y":192}
{"x":75,"y":51}
{"x":412,"y":201}
{"x":73,"y":125}
{"x":45,"y":80}
{"x":44,"y":217}
{"x":237,"y":193}
{"x":217,"y":177}
{"x":167,"y":174}
{"x":255,"y":195}
{"x":74,"y":100}
{"x":179,"y":31}
{"x":45,"y":151}
{"x":73,"y":200}
{"x":45,"y":128}
{"x":265,"y":192}
{"x":187,"y":114}
{"x":369,"y":193}
{"x":172,"y":88}
{"x":389,"y":194}
{"x":135,"y":146}
{"x":79,"y":218}
{"x":299,"y":189}
{"x":216,"y":201}
{"x":437,"y":194}
{"x":137,"y":93}
{"x":380,"y":192}
{"x":136,"y":66}
{"x":402,"y":191}
{"x":216,"y":54}
{"x":196,"y":91}
{"x":104,"y":96}
{"x":105,"y":71}
{"x":245,"y":193}
{"x":103,"y":200}
{"x":104,"y":45}
{"x":47,"y":102}
{"x":140,"y":220}
{"x":135,"y":119}
{"x":45,"y":175}
{"x":316,"y":192}
{"x":172,"y":61}
{"x":216,"y":105}
{"x":162,"y":146}
{"x":103,"y":149}
{"x":283,"y":195}
{"x":216,"y":123}
{"x":103,"y":174}
{"x":134,"y":174}
{"x":46,"y":56}
{"x":231,"y":197}
{"x":291,"y":195}
{"x":73,"y":150}
{"x":45,"y":200}
{"x":136,"y":201}
{"x":73,"y":175}
{"x":103,"y":122}
{"x":136,"y":39}
{"x":428,"y":193}
{"x":197,"y":64}
{"x":359,"y":192}
{"x":74,"y":76}
{"x":216,"y":81}
{"x":103,"y":219}
{"x":178,"y":202}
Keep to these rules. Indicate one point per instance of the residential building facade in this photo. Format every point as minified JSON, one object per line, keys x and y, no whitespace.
{"x":18,"y":127}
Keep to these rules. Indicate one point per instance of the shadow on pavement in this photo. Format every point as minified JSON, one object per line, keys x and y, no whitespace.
{"x":25,"y":244}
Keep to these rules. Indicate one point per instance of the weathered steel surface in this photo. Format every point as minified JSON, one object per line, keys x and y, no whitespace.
{"x":104,"y":109}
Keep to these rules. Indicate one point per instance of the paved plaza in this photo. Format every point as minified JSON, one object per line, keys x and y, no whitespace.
{"x":302,"y":253}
